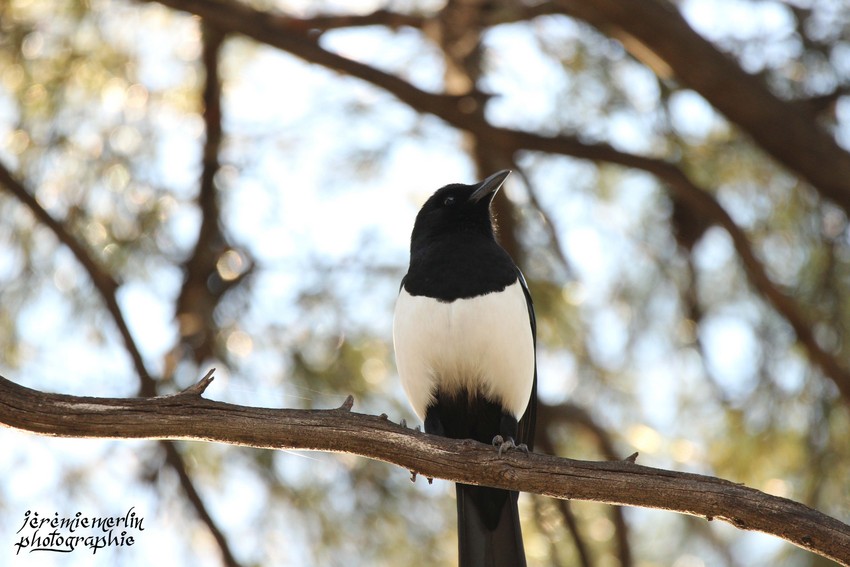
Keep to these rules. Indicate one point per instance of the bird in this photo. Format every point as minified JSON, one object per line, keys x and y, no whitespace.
{"x":464,"y":335}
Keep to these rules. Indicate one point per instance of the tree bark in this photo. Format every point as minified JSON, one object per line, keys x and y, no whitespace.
{"x":188,"y":416}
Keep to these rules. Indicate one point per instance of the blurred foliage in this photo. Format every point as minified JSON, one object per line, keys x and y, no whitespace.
{"x":651,"y":338}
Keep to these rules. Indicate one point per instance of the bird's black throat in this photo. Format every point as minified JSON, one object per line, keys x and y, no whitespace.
{"x":450,"y":268}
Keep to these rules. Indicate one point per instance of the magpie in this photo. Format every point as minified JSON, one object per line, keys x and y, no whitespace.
{"x":464,"y":335}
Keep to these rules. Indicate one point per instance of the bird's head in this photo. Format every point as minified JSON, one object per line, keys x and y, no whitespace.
{"x":457,"y":209}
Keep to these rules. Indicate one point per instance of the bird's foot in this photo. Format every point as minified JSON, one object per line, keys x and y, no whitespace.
{"x":508,"y":444}
{"x":403,"y":423}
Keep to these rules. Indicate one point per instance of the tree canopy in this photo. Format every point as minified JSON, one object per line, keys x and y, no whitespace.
{"x":188,"y":184}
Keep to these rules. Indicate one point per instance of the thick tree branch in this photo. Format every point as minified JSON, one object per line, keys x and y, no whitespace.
{"x":786,"y":130}
{"x":189,"y":416}
{"x":274,"y":31}
{"x":380,"y":17}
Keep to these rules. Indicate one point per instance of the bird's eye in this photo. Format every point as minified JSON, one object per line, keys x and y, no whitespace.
{"x":449,"y":201}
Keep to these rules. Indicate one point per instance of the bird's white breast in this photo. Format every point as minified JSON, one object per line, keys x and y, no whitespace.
{"x":481,"y":344}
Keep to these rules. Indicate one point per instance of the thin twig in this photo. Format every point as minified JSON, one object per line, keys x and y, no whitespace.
{"x":175,"y":460}
{"x":105,"y":284}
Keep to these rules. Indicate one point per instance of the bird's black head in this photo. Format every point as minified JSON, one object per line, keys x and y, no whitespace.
{"x":457,"y":209}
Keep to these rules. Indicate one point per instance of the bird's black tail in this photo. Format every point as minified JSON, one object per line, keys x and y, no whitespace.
{"x":489,"y":533}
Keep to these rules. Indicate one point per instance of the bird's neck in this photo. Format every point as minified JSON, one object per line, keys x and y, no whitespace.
{"x":449,"y":269}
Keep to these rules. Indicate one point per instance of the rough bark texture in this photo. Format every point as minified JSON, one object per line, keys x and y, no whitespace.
{"x":189,"y":416}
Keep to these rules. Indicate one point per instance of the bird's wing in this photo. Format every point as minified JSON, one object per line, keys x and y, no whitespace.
{"x":525,"y":430}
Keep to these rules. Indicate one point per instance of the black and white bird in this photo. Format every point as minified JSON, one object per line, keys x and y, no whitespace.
{"x":464,"y":336}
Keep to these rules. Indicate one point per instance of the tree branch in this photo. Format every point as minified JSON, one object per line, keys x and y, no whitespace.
{"x":380,"y":17}
{"x":697,"y":199}
{"x":545,"y":444}
{"x":203,"y":286}
{"x":188,"y":416}
{"x":785,"y":129}
{"x":107,"y":288}
{"x":264,"y":28}
{"x":175,"y":460}
{"x":103,"y":281}
{"x":552,"y":418}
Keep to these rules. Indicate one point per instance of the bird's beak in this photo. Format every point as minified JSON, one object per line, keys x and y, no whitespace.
{"x":489,"y":186}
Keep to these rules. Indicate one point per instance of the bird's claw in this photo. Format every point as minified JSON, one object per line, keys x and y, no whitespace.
{"x":508,"y":444}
